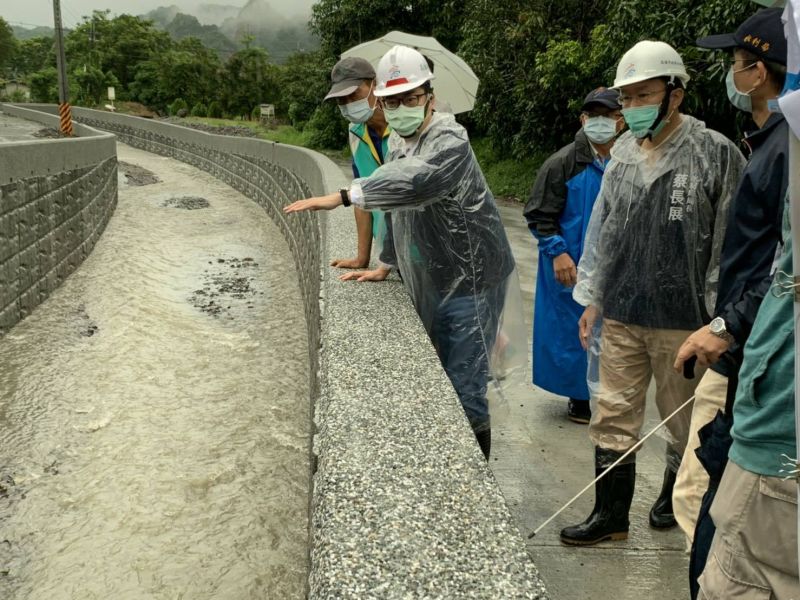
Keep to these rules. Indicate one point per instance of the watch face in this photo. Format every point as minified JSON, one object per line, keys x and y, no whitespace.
{"x":717,"y":325}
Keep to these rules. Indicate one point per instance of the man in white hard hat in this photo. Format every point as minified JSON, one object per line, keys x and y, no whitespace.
{"x":649,"y":268}
{"x":450,"y":243}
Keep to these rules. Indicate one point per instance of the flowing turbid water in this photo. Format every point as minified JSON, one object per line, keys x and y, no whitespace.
{"x":154,"y":415}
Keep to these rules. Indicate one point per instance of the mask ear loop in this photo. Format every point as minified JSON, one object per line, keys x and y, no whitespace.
{"x":372,"y":87}
{"x":662,"y":112}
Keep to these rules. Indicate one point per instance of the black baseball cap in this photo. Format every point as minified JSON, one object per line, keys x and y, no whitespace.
{"x":761,"y":35}
{"x":347,"y":75}
{"x":606,"y":97}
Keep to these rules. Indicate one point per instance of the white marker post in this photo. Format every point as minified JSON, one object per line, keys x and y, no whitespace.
{"x":111,"y":96}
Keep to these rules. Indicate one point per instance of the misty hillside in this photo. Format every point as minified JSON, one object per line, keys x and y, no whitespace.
{"x":23,"y":33}
{"x":215,"y":14}
{"x":187,"y":25}
{"x":257,"y":21}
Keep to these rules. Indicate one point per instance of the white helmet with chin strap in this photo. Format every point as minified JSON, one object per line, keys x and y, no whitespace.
{"x":649,"y":60}
{"x":652,"y":60}
{"x":401,"y":69}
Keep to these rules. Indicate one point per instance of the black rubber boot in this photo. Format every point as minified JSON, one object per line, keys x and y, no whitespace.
{"x":484,"y":438}
{"x":612,"y":504}
{"x":579,"y":411}
{"x":661,"y":515}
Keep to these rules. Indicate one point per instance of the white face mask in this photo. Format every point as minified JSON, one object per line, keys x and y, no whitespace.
{"x":358,"y":111}
{"x":600,"y":130}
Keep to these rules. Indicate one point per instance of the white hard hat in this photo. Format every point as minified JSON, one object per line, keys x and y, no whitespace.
{"x":648,"y":60}
{"x":400,"y":70}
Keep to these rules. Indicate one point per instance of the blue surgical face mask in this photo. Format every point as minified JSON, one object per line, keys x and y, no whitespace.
{"x":357,"y":112}
{"x":600,"y":130}
{"x":739,"y":99}
{"x":640,"y":120}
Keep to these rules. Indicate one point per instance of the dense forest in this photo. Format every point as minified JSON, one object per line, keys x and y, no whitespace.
{"x":536,"y":60}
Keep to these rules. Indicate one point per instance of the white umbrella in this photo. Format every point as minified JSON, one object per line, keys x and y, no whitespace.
{"x":455,"y":83}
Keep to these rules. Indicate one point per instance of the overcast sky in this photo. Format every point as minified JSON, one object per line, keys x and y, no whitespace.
{"x":40,"y":12}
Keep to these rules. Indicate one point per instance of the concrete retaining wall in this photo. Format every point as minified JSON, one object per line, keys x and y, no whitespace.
{"x":403,"y":504}
{"x":56,"y":197}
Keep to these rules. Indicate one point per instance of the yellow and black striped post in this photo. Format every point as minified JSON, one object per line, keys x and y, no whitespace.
{"x":64,"y":110}
{"x":65,"y":117}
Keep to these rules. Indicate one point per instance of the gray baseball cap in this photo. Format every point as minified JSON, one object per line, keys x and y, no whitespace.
{"x":347,"y":75}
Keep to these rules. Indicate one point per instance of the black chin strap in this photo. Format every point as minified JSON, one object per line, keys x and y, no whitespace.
{"x":663,"y":110}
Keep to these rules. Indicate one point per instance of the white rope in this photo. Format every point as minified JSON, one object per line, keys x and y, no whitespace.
{"x":614,"y":464}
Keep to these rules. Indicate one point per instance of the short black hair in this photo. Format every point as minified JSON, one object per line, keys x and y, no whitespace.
{"x":427,"y":85}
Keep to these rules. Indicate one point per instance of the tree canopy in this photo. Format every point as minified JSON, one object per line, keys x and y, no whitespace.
{"x":536,"y":60}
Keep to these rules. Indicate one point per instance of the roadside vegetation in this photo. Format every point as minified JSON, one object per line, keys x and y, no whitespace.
{"x":536,"y":60}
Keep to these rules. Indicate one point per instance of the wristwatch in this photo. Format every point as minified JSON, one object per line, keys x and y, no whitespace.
{"x":717,"y":327}
{"x":345,"y":194}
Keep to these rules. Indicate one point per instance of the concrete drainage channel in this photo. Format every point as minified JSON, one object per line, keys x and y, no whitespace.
{"x":402,"y":504}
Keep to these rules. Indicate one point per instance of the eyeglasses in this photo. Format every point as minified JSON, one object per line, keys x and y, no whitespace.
{"x":407,"y":101}
{"x":728,"y":61}
{"x":642,"y":98}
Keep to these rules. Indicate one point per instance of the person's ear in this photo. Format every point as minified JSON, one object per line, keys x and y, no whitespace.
{"x":676,"y":99}
{"x":763,"y":74}
{"x":583,"y":118}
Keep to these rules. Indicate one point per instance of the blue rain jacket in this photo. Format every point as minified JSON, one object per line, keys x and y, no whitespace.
{"x":558,"y":213}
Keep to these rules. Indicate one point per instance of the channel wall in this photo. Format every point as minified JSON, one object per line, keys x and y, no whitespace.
{"x":56,"y":197}
{"x":403,"y":504}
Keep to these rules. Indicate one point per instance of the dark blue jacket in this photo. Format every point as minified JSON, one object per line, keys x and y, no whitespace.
{"x":753,"y":234}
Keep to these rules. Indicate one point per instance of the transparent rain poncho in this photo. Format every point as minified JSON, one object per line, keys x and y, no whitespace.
{"x":652,"y":248}
{"x":453,"y":255}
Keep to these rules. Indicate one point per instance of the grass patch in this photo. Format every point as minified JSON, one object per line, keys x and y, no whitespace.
{"x":285,"y":134}
{"x":508,"y":178}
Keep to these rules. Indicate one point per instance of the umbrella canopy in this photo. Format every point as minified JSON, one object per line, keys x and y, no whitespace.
{"x":455,"y":83}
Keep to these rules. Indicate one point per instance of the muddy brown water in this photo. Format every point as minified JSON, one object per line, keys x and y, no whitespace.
{"x":154,"y":414}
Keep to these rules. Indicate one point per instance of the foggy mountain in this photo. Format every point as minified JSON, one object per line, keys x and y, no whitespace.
{"x":227,"y":27}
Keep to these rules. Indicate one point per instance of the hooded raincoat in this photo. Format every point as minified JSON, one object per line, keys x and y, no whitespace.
{"x":558,"y":213}
{"x":452,"y":250}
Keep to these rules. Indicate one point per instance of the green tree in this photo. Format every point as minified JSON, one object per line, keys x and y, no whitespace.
{"x":215,"y":110}
{"x":33,"y":55}
{"x":341,"y":24}
{"x":248,"y":80}
{"x":199,"y":110}
{"x":44,"y":85}
{"x":537,"y":59}
{"x":303,"y":81}
{"x":8,"y":45}
{"x":189,"y":70}
{"x":116,"y":44}
{"x":178,"y":106}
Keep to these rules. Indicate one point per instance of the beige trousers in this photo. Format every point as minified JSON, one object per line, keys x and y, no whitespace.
{"x":692,"y":481}
{"x":754,"y":552}
{"x":630,"y":356}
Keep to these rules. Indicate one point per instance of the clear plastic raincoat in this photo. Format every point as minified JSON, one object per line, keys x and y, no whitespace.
{"x":453,"y":254}
{"x":651,"y":256}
